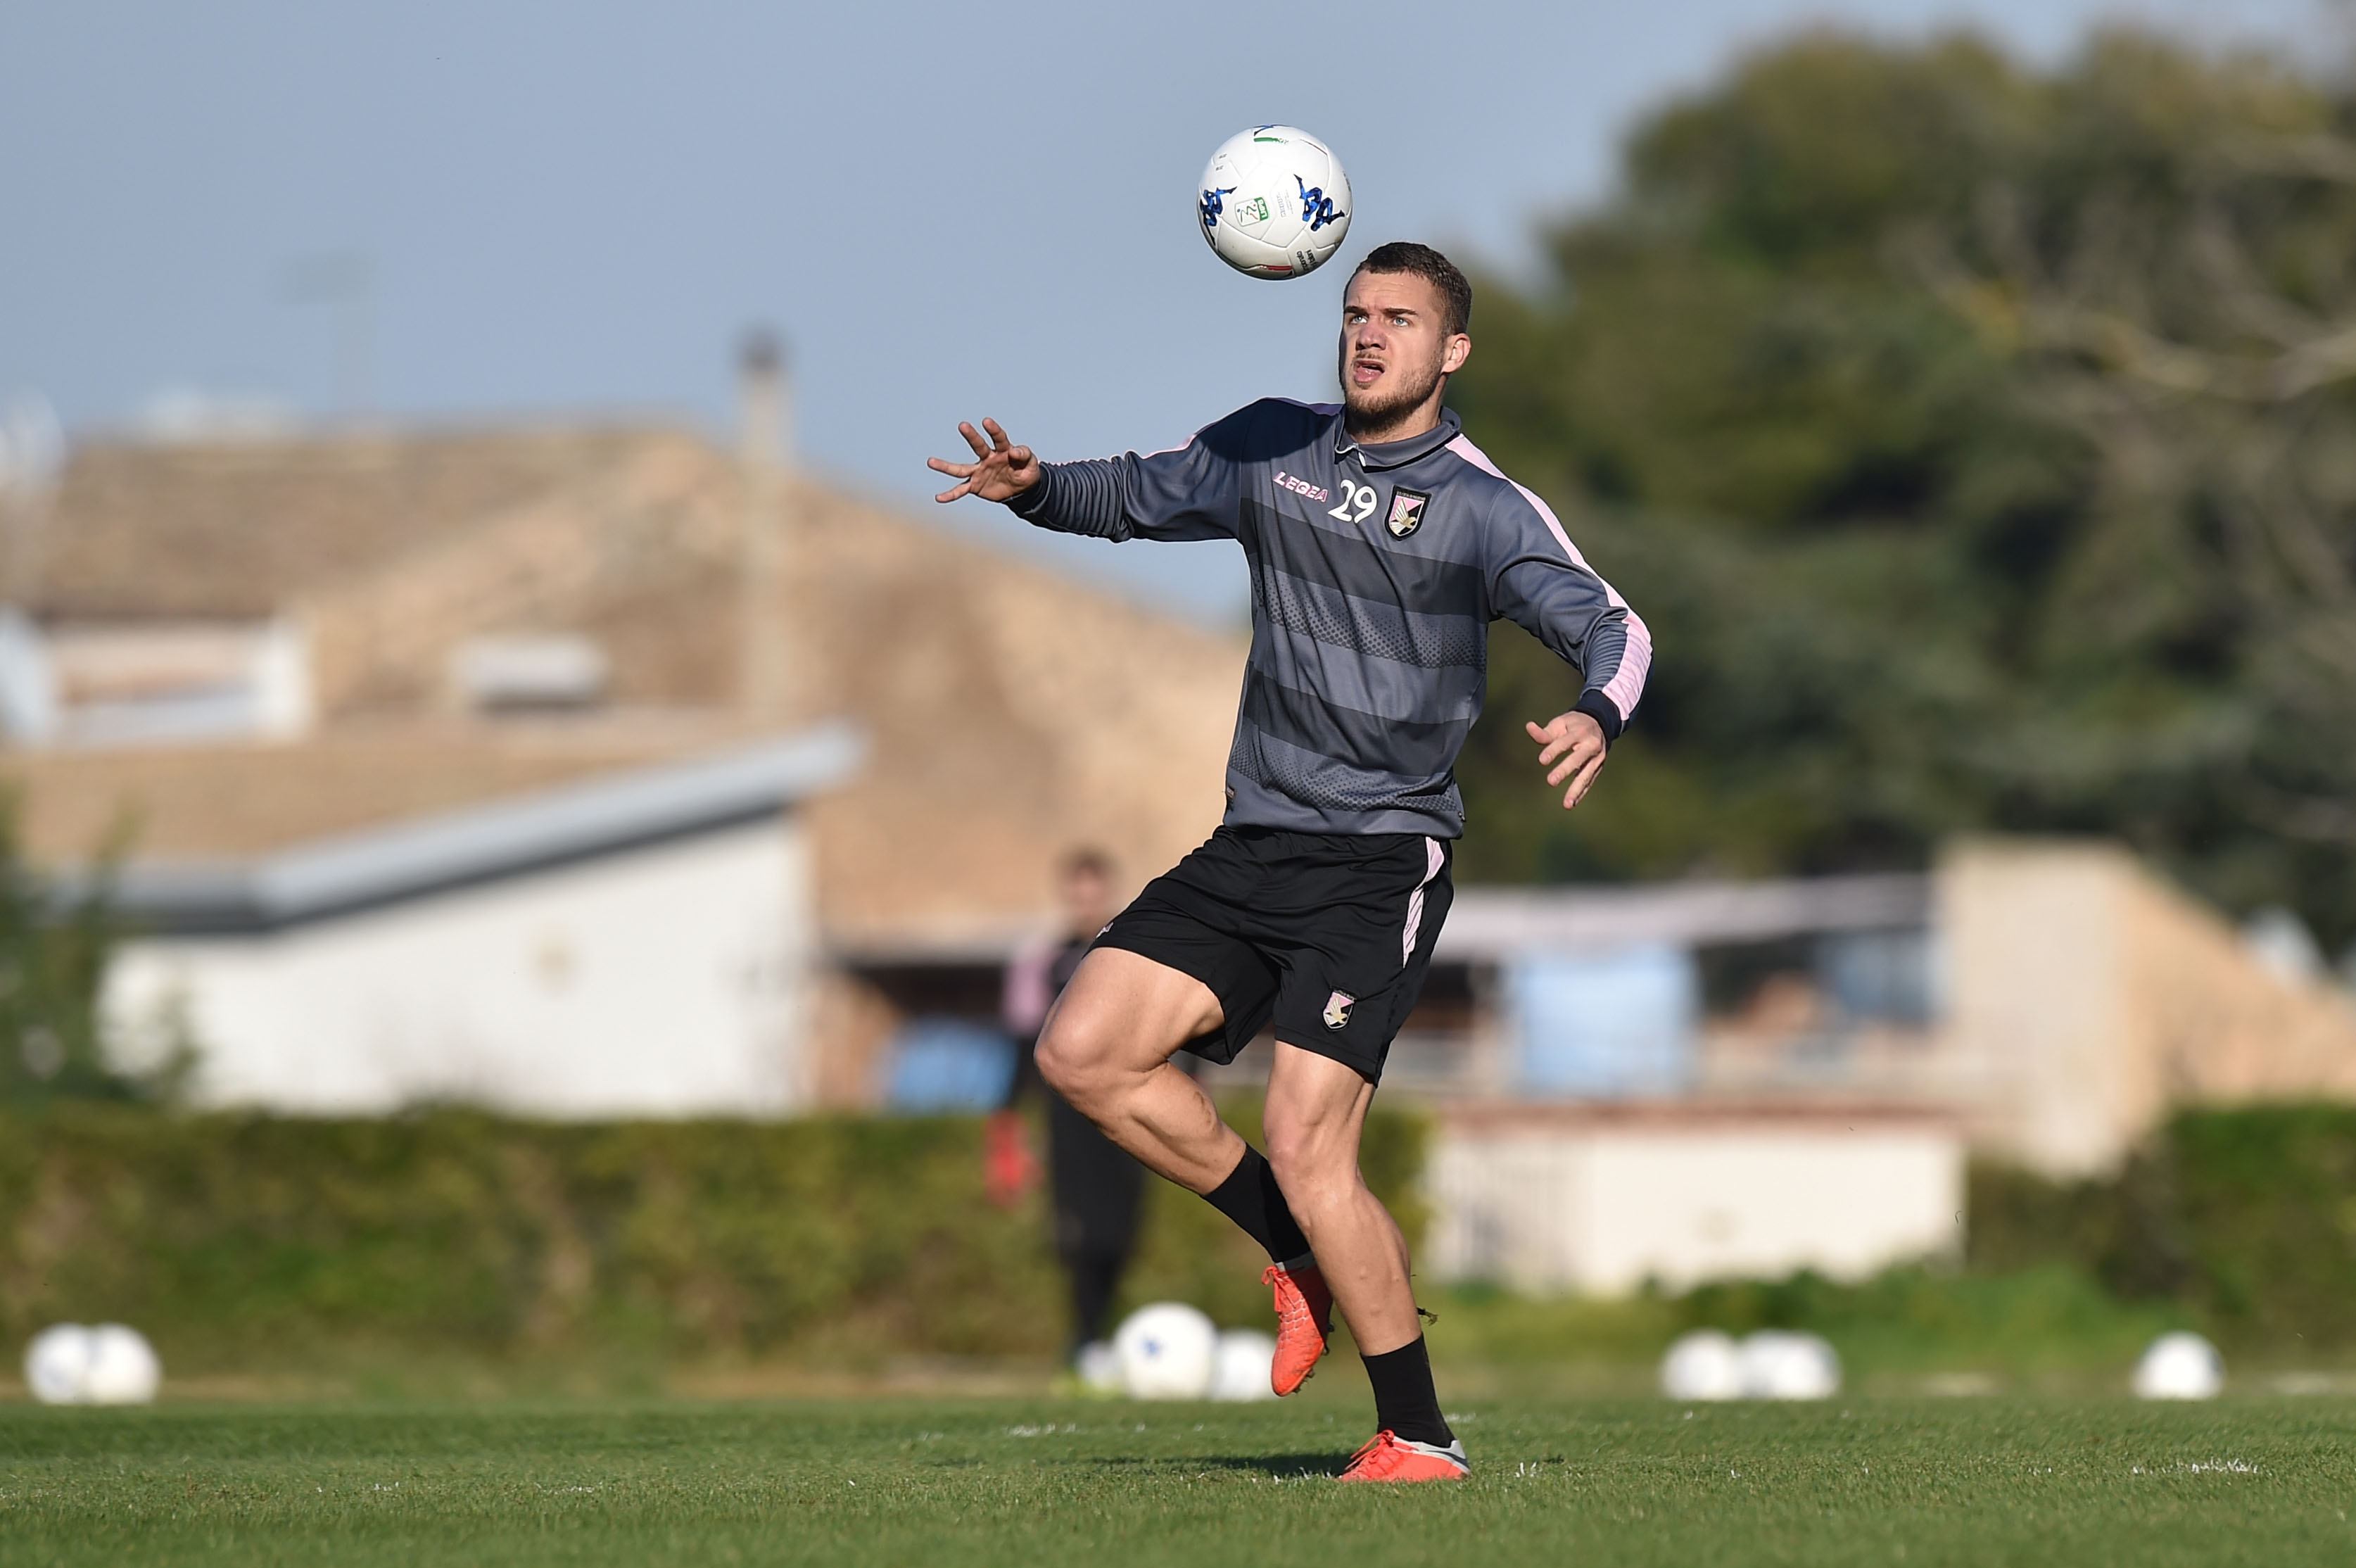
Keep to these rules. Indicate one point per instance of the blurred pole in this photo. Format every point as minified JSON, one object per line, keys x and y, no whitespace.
{"x":346,"y":283}
{"x":32,"y":451}
{"x":764,"y":452}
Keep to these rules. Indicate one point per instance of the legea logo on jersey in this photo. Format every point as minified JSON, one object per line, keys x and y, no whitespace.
{"x":1338,"y":1009}
{"x":1285,"y":481}
{"x":1406,"y":513}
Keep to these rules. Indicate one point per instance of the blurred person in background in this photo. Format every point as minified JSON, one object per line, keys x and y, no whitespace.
{"x":1095,"y":1186}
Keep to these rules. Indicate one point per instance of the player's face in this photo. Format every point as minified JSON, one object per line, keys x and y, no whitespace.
{"x":1395,"y":348}
{"x":1088,"y":901}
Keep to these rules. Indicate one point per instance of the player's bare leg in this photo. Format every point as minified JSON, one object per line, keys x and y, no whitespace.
{"x":1105,"y":1048}
{"x":1316,"y":1112}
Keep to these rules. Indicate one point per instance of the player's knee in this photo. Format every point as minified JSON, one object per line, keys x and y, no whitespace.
{"x":1071,"y":1057}
{"x":1306,"y":1156}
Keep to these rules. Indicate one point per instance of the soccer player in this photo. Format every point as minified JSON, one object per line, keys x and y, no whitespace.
{"x":1382,"y":543}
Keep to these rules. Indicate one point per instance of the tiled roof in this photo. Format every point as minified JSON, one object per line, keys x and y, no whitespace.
{"x":218,"y":802}
{"x":420,"y":856}
{"x":236,"y":529}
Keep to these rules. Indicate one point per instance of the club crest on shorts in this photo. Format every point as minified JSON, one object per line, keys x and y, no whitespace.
{"x":1338,"y":1009}
{"x":1406,"y":513}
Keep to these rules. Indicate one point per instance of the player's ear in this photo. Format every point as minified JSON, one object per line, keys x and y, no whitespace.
{"x":1459,"y":349}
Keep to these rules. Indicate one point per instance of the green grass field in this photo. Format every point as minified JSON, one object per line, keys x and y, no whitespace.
{"x":972,"y":1482}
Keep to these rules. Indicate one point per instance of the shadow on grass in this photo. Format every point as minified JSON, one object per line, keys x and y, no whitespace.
{"x":1282,"y":1467}
{"x":1278,"y":1466}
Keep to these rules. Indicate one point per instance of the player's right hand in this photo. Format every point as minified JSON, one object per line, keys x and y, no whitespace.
{"x":1001,"y":471}
{"x":1573,"y":745}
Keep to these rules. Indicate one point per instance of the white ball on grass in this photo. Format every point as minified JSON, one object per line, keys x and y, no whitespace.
{"x":1239,"y":1370}
{"x":1781,"y":1365}
{"x":1167,"y":1352}
{"x":1702,"y":1365}
{"x":57,"y":1363}
{"x":2180,"y":1366}
{"x":1098,"y":1367}
{"x":122,"y":1367}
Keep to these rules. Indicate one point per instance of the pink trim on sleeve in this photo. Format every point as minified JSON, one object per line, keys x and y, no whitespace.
{"x":1627,"y":682}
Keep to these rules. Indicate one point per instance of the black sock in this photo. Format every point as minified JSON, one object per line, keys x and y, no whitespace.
{"x":1095,"y":1277}
{"x":1251,"y":1199}
{"x":1405,"y":1402}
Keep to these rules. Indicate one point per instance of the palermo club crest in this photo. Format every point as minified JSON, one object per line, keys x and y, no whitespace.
{"x":1406,"y":513}
{"x":1338,"y":1009}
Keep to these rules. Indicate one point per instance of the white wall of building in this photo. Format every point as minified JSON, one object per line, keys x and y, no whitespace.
{"x":1599,"y":1205}
{"x":669,"y":980}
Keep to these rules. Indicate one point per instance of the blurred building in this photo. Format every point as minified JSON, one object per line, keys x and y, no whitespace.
{"x":639,"y":944}
{"x":1790,"y":1075}
{"x":243,"y":660}
{"x":2057,"y":999}
{"x":1603,"y":1196}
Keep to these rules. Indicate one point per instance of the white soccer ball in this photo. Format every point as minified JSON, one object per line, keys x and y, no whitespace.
{"x":1779,"y":1365}
{"x":1098,"y":1367}
{"x":1240,"y":1368}
{"x":56,"y":1363}
{"x":122,"y":1367}
{"x":1168,"y":1351}
{"x":1274,"y":202}
{"x":1702,"y":1365}
{"x":68,"y":1364}
{"x":2180,"y":1366}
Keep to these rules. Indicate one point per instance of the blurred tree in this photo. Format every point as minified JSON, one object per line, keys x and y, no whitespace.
{"x":54,"y":947}
{"x":1981,"y":446}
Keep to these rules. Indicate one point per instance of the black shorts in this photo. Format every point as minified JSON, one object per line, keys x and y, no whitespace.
{"x":1327,"y":934}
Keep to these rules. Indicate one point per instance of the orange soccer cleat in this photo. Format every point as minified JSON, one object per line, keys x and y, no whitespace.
{"x":1304,"y":1318}
{"x":1390,"y":1458}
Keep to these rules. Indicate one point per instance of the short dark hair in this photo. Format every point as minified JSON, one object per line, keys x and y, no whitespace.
{"x":1086,"y":861}
{"x":1407,"y":256}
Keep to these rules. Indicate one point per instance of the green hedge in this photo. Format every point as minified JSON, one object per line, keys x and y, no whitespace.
{"x":2247,"y":1218}
{"x":245,"y":1241}
{"x":249,"y":1243}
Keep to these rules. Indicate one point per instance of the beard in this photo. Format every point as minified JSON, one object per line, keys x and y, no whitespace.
{"x":1387,"y":399}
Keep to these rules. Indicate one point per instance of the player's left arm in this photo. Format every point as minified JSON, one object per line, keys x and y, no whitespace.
{"x":1539,"y":580}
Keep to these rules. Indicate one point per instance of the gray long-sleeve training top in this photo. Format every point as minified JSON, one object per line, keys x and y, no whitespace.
{"x":1375,"y":573}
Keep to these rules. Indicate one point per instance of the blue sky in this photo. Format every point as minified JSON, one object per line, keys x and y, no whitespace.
{"x":949,"y":210}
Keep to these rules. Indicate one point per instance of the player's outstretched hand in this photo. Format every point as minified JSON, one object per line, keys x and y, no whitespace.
{"x":1573,"y":745}
{"x":1001,"y":471}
